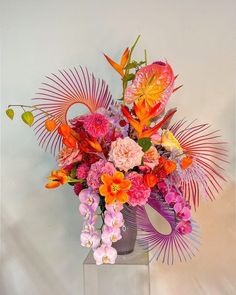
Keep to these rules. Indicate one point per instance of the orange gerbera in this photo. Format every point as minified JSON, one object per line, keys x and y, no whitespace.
{"x":115,"y":187}
{"x":57,"y":178}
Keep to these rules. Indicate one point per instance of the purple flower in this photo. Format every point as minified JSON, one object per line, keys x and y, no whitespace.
{"x":105,"y":254}
{"x":85,"y":211}
{"x":115,"y":207}
{"x":110,"y":235}
{"x":90,"y":198}
{"x":114,"y":219}
{"x":182,"y":211}
{"x":184,"y":227}
{"x":90,"y":240}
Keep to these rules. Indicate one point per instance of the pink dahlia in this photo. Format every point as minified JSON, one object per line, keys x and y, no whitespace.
{"x":125,"y":153}
{"x":68,"y":156}
{"x":96,"y":171}
{"x":82,"y":171}
{"x":138,"y":193}
{"x":96,"y":125}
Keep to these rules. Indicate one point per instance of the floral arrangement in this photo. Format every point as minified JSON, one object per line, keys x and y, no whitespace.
{"x":126,"y":154}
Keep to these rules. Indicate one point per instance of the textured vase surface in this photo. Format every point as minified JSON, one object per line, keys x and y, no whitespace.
{"x":128,"y":232}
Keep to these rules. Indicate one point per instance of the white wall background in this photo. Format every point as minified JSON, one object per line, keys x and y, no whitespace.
{"x":40,"y":239}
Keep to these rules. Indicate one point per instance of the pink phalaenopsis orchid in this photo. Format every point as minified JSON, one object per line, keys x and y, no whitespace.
{"x":90,"y":240}
{"x":114,"y":219}
{"x":110,"y":235}
{"x":90,"y":198}
{"x":105,"y":254}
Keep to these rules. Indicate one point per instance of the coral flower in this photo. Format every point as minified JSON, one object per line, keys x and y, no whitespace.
{"x":58,"y":177}
{"x":115,"y":187}
{"x":153,"y":83}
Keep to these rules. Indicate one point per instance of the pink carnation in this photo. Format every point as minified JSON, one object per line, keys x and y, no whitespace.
{"x":125,"y":153}
{"x":82,"y":171}
{"x":68,"y":156}
{"x":96,"y":125}
{"x":96,"y":171}
{"x":138,"y":193}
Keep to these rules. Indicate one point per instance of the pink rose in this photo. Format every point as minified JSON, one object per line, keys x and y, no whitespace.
{"x":125,"y":153}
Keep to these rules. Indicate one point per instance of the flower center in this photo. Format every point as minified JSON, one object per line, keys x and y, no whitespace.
{"x":115,"y":188}
{"x":105,"y":259}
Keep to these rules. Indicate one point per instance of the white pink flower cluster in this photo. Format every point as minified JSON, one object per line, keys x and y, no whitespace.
{"x":90,"y":237}
{"x":113,"y":221}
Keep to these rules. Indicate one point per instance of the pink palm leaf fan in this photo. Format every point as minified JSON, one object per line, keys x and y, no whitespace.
{"x":59,"y":94}
{"x":200,"y":179}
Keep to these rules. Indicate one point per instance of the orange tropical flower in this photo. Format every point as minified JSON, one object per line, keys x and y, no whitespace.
{"x":57,"y":178}
{"x":121,"y":66}
{"x":169,"y":166}
{"x":142,"y":121}
{"x":186,"y":162}
{"x":115,"y":187}
{"x":150,"y":179}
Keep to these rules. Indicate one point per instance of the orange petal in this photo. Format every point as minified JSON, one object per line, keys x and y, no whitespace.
{"x":64,"y":130}
{"x":109,"y":199}
{"x":115,"y":65}
{"x":134,"y":123}
{"x":124,"y":58}
{"x":122,"y":197}
{"x":95,"y":145}
{"x":118,"y":176}
{"x":107,"y":179}
{"x":103,"y":190}
{"x":125,"y":185}
{"x":70,"y":142}
{"x":52,"y":184}
{"x":153,"y":130}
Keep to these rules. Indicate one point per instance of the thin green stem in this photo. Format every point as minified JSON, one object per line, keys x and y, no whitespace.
{"x":129,"y":59}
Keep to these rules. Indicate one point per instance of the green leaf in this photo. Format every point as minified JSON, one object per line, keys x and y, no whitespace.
{"x":10,"y":113}
{"x":145,"y":143}
{"x":28,"y":118}
{"x":73,"y":172}
{"x":129,"y":77}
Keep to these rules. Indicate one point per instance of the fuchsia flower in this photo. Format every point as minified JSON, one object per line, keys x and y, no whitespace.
{"x":172,"y":197}
{"x":105,"y":254}
{"x":90,"y":198}
{"x":68,"y":156}
{"x":82,"y":171}
{"x":182,"y":211}
{"x":184,"y":227}
{"x":90,"y":240}
{"x":114,"y":219}
{"x":125,"y":153}
{"x":96,"y":125}
{"x":138,"y":193}
{"x":110,"y":235}
{"x":96,"y":171}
